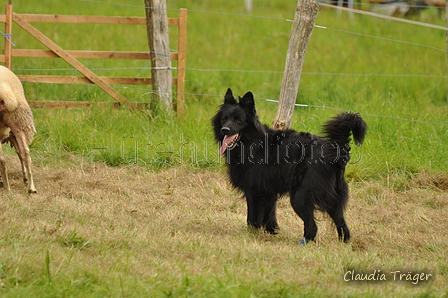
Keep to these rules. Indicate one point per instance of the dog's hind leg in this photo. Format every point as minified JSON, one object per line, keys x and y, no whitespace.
{"x":305,"y":210}
{"x":336,"y":211}
{"x":337,"y":214}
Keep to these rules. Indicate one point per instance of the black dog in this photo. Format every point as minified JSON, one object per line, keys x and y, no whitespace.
{"x":264,"y":164}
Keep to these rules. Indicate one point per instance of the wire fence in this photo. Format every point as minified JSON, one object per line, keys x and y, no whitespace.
{"x":141,"y":69}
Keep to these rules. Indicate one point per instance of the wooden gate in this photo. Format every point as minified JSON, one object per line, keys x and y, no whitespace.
{"x":89,"y":77}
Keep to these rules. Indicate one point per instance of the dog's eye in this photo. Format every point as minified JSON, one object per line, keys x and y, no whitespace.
{"x":238,"y":121}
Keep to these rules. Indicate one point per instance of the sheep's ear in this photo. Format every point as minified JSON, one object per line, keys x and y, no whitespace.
{"x":228,"y":98}
{"x":247,"y":102}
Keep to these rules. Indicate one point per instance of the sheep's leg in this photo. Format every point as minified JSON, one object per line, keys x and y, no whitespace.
{"x":13,"y":141}
{"x":18,"y":140}
{"x":3,"y":170}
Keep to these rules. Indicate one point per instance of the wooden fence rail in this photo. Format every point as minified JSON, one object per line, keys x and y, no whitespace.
{"x":89,"y":77}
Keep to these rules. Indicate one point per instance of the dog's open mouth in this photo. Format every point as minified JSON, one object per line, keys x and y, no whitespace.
{"x":229,"y":142}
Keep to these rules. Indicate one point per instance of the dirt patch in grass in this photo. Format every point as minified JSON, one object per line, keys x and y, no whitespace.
{"x":434,"y":180}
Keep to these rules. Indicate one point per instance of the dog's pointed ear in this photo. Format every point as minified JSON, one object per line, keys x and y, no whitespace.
{"x":247,"y":102}
{"x":228,"y":98}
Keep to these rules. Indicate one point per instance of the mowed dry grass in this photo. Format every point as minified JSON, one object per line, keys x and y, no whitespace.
{"x":145,"y":231}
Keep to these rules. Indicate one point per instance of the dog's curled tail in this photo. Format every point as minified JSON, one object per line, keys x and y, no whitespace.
{"x":341,"y":126}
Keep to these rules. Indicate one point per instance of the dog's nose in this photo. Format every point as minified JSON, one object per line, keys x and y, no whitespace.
{"x":225,"y":130}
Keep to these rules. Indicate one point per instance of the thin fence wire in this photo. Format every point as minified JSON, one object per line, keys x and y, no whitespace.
{"x":317,"y":26}
{"x":289,"y":20}
{"x":382,"y":16}
{"x":363,"y":114}
{"x":142,"y":69}
{"x":382,"y":38}
{"x":148,"y":91}
{"x":283,"y":19}
{"x":8,"y":37}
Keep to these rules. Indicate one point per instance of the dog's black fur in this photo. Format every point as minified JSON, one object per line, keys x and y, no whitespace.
{"x":264,"y":164}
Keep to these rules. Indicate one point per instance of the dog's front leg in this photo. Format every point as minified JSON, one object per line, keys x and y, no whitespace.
{"x":269,"y":215}
{"x":254,"y":216}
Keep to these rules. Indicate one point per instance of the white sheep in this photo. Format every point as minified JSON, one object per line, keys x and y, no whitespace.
{"x":16,"y":125}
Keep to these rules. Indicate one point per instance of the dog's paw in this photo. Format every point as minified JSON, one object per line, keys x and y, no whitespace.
{"x":304,"y":241}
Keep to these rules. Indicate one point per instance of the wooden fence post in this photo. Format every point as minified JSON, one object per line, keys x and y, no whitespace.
{"x":159,"y":48}
{"x":8,"y":35}
{"x":248,"y":5}
{"x":303,"y":25}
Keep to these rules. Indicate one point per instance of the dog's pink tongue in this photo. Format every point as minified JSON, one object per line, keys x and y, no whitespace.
{"x":227,"y":140}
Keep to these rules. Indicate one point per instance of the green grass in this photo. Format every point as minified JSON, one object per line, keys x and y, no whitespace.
{"x":188,"y":238}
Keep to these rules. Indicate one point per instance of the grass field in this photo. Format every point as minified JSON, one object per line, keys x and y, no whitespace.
{"x":139,"y":206}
